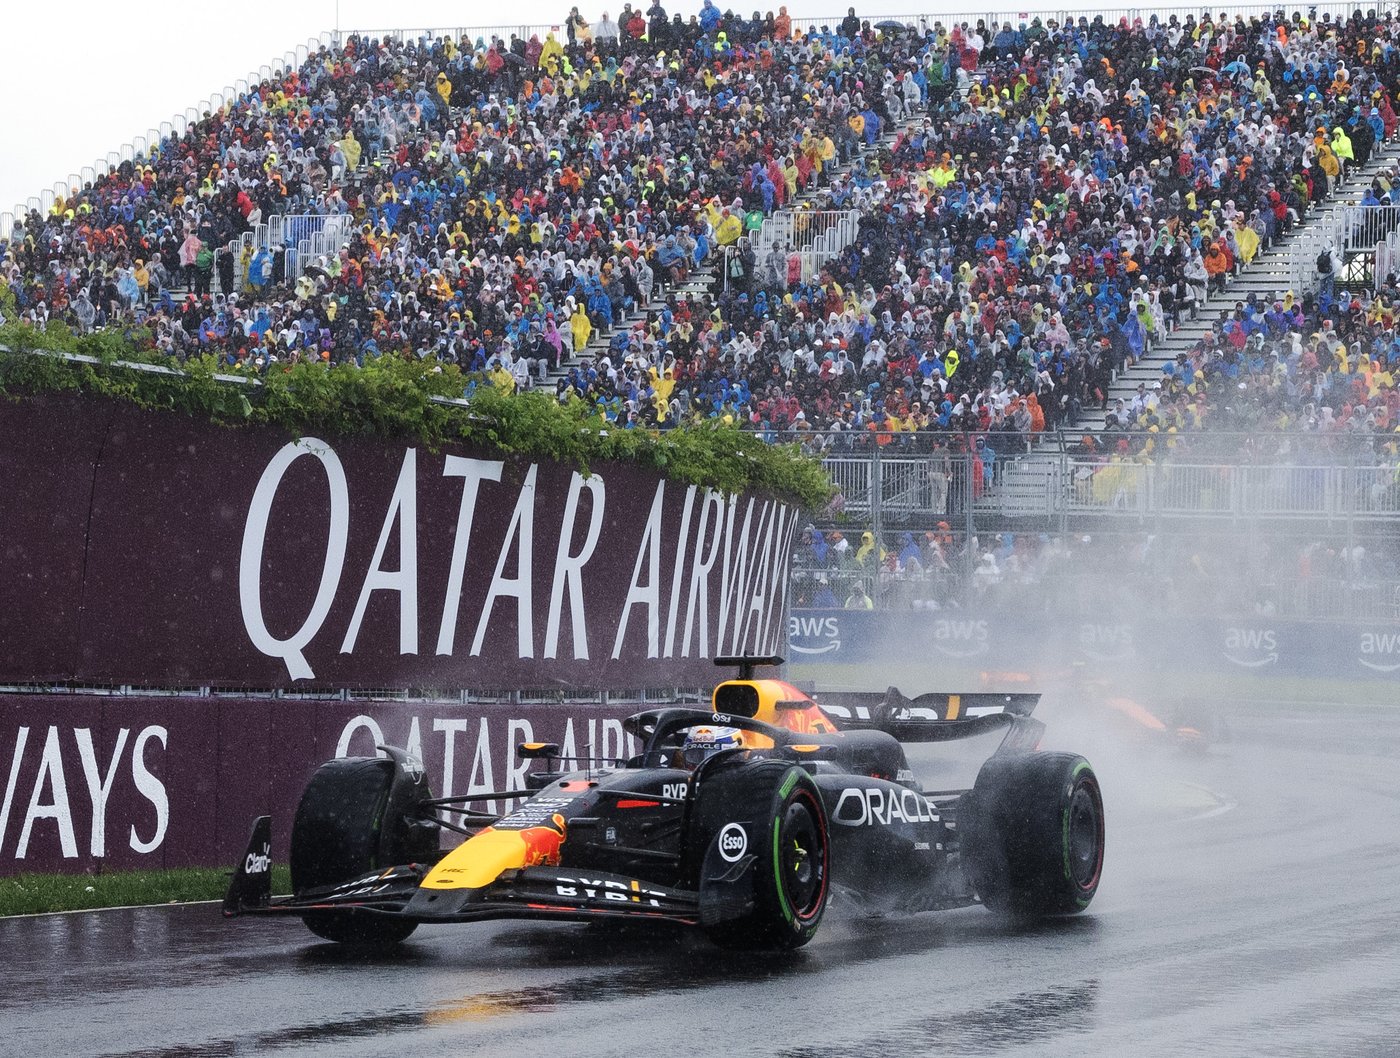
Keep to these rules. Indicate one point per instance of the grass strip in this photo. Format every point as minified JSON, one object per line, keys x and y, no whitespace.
{"x":34,"y":894}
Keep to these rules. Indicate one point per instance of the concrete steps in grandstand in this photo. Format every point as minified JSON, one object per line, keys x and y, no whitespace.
{"x":1270,"y":275}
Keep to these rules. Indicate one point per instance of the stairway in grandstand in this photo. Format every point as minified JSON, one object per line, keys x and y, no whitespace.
{"x":1273,"y":273}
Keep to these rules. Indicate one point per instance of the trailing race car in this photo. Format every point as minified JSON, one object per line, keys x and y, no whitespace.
{"x":742,"y":820}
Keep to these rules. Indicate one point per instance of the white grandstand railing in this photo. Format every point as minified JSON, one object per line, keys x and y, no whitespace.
{"x":816,"y":236}
{"x":911,"y":486}
{"x":1387,"y":258}
{"x":1348,"y":229}
{"x":1335,"y":8}
{"x":304,"y":236}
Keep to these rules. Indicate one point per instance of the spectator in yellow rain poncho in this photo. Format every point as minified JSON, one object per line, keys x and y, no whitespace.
{"x":581,"y":327}
{"x":1115,"y":483}
{"x":663,"y":384}
{"x":728,"y":226}
{"x":502,"y":379}
{"x":1246,"y":239}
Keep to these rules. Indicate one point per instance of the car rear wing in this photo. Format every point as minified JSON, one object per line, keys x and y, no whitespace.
{"x":932,"y":717}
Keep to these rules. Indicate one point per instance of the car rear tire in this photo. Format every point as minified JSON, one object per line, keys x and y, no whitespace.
{"x":789,"y":840}
{"x":343,"y":829}
{"x":1033,"y":834}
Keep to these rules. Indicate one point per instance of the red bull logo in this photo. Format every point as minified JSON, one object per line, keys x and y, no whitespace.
{"x":542,"y":842}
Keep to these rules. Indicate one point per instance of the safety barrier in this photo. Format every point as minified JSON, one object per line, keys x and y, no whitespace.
{"x":921,"y":20}
{"x":1185,"y":490}
{"x":305,"y":237}
{"x":917,"y":490}
{"x":1347,"y":230}
{"x":813,"y":236}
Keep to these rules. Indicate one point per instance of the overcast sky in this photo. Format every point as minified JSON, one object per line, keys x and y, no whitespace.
{"x":78,"y":85}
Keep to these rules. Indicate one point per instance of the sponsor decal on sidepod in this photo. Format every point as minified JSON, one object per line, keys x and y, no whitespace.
{"x":868,"y":806}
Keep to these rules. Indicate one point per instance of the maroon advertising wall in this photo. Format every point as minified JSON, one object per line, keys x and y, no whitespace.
{"x":157,"y":550}
{"x":122,"y":783}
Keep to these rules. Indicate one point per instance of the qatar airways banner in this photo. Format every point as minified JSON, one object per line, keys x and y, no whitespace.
{"x":116,"y":783}
{"x":154,"y":549}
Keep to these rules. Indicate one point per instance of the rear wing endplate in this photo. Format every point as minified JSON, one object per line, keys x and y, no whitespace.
{"x":930,"y":717}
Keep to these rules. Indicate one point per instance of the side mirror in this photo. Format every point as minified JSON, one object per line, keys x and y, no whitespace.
{"x":537,"y":750}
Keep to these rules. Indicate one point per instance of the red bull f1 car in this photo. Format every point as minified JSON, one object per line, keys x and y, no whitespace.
{"x":744,"y":819}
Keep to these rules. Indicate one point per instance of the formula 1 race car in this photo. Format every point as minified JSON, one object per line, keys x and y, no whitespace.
{"x":743,"y":820}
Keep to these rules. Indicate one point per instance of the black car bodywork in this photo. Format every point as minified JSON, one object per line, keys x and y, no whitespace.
{"x":750,"y":845}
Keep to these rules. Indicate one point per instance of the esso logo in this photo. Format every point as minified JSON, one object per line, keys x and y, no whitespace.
{"x":733,"y":842}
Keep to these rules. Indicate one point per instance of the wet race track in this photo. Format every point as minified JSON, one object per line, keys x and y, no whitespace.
{"x":1249,"y":907}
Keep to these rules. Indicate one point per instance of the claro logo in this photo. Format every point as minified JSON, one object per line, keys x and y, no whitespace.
{"x":960,"y":639}
{"x":813,"y":635}
{"x":1251,"y":648}
{"x":1380,"y":651}
{"x":258,"y":862}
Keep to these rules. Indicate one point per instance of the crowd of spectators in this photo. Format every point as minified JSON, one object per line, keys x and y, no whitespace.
{"x":1028,"y":242}
{"x":1021,"y":238}
{"x":1103,"y":575}
{"x":509,"y":199}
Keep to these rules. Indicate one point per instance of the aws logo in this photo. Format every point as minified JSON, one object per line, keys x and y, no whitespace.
{"x":1380,"y":651}
{"x":960,"y":639}
{"x":1251,"y":648}
{"x":1106,"y":642}
{"x":821,"y":635}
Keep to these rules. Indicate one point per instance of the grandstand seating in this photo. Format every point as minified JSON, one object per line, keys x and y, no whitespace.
{"x":1039,"y":208}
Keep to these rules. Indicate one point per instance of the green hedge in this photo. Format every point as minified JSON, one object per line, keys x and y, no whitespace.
{"x":390,"y":397}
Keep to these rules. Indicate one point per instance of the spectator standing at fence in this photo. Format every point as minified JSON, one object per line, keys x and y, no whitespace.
{"x":859,"y":599}
{"x":189,"y":251}
{"x":1328,"y":266}
{"x":576,"y":28}
{"x":607,"y":32}
{"x":203,"y":269}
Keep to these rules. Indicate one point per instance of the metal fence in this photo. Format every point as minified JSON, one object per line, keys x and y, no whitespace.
{"x":1171,"y":587}
{"x":305,"y":238}
{"x":1053,"y":531}
{"x":813,"y":236}
{"x":1055,"y":488}
{"x":1346,"y":229}
{"x":1173,"y":490}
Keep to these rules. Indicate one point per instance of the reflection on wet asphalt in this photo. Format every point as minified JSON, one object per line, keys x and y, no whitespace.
{"x":1248,"y":908}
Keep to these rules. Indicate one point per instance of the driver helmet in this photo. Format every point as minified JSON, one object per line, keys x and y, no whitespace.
{"x":703,"y":742}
